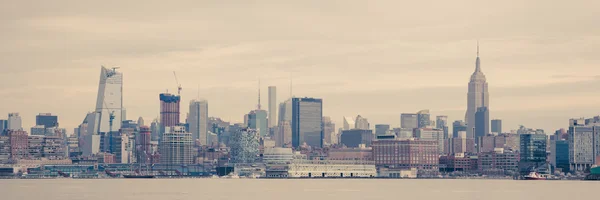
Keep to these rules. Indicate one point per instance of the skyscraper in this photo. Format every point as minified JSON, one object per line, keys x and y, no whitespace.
{"x":272,"y":106}
{"x":423,"y":118}
{"x":496,"y":126}
{"x":14,"y":122}
{"x":198,"y":121}
{"x":482,"y":122}
{"x":244,"y":146}
{"x":477,"y":96}
{"x":361,"y":123}
{"x":441,"y":122}
{"x":107,"y":118}
{"x":169,"y":111}
{"x":47,"y":120}
{"x":307,"y":126}
{"x":409,"y":120}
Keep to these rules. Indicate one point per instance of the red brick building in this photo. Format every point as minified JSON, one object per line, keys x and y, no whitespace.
{"x":457,"y":162}
{"x":406,"y":154}
{"x":19,"y":148}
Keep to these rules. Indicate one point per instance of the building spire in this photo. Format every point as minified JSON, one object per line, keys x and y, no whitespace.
{"x":477,"y":48}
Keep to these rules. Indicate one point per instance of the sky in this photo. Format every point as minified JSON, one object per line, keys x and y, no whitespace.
{"x":373,"y":58}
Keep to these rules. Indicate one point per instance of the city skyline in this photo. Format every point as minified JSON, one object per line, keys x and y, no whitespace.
{"x":520,"y":56}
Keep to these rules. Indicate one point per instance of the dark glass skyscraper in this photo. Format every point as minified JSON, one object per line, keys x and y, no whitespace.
{"x":46,"y":119}
{"x":307,"y":118}
{"x":533,"y":151}
{"x":496,"y":126}
{"x":482,"y":122}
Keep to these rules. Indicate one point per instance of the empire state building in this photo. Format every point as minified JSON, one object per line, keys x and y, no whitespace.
{"x":477,"y":96}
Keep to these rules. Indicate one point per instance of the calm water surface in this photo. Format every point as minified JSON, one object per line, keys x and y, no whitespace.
{"x":213,"y":189}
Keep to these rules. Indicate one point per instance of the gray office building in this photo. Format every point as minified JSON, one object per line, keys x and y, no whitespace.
{"x":482,"y":122}
{"x":46,"y":119}
{"x":307,"y":118}
{"x":382,"y":129}
{"x":441,"y":122}
{"x":458,"y":126}
{"x":409,"y":120}
{"x":353,"y":138}
{"x":496,"y":126}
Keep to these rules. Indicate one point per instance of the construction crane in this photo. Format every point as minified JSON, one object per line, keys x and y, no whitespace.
{"x":178,"y":85}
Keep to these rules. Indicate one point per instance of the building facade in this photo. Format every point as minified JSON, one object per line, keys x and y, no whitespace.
{"x":431,"y":134}
{"x":176,"y":146}
{"x":382,"y":129}
{"x":107,"y":118}
{"x":47,"y":120}
{"x":458,"y":126}
{"x":14,"y":122}
{"x":406,"y":154}
{"x":409,"y":120}
{"x":354,"y":138}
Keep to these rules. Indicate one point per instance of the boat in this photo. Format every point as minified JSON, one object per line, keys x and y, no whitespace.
{"x":535,"y":176}
{"x":138,"y":176}
{"x":232,"y":176}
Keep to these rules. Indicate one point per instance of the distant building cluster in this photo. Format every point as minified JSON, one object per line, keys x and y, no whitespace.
{"x":293,"y":138}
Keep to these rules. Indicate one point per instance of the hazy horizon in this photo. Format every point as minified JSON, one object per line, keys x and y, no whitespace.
{"x":377,"y":59}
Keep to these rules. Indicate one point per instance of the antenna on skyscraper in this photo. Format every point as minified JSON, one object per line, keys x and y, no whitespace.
{"x":258,"y":93}
{"x":291,"y":94}
{"x":477,"y":48}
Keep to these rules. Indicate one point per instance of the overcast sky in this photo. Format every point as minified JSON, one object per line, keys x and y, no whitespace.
{"x":373,"y":58}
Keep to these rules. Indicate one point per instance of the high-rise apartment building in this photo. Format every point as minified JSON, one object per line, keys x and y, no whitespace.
{"x":496,"y":126}
{"x":14,"y":122}
{"x":584,"y":143}
{"x":169,"y":111}
{"x":19,"y":148}
{"x":482,"y":122}
{"x":198,"y":121}
{"x":424,"y":118}
{"x":307,"y":126}
{"x":273,"y":107}
{"x":176,"y":146}
{"x":47,"y":120}
{"x":409,"y":120}
{"x":477,"y":96}
{"x":244,"y":146}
